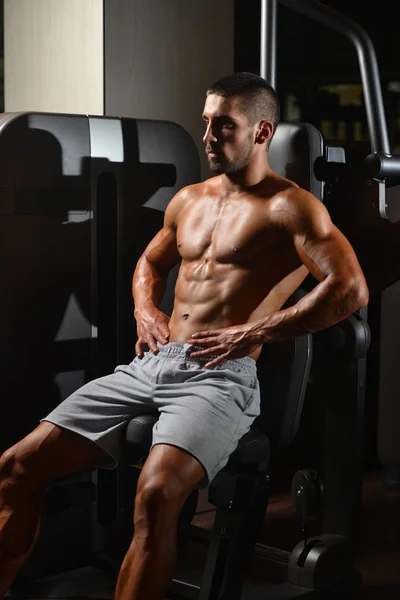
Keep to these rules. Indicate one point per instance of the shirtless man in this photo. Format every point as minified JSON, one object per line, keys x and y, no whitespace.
{"x":247,"y":238}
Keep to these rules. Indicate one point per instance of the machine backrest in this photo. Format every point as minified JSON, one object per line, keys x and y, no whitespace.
{"x":283,"y":368}
{"x":81,"y":197}
{"x":294,"y":149}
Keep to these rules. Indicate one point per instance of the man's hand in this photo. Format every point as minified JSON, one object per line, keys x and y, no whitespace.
{"x":152,"y":327}
{"x":226,"y":343}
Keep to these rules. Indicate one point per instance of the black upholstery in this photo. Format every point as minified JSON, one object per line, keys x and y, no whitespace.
{"x":294,"y":151}
{"x":138,"y":438}
{"x":282,"y":368}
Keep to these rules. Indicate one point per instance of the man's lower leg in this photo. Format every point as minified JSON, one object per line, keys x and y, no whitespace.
{"x":19,"y":529}
{"x":147,"y":569}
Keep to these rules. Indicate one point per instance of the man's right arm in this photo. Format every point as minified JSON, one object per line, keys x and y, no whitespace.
{"x":150,"y":276}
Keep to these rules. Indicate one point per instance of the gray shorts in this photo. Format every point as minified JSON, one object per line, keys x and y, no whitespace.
{"x":202,"y":411}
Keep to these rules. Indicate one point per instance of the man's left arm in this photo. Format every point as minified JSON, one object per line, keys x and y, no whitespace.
{"x":328,"y":256}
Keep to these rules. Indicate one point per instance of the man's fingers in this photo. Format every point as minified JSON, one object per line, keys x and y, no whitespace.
{"x":206,"y":342}
{"x":208,"y":352}
{"x":151,"y":343}
{"x":203,"y":335}
{"x":139,"y":347}
{"x":217,"y":361}
{"x":163,"y":335}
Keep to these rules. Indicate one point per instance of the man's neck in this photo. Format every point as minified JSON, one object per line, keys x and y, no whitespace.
{"x":249,"y":177}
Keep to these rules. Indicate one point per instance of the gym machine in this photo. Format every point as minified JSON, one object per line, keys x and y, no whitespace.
{"x":319,"y":566}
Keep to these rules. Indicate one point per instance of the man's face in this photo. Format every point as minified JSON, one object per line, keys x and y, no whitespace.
{"x":229,"y":139}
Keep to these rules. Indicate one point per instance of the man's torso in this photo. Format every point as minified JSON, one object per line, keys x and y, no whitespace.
{"x":239,"y":264}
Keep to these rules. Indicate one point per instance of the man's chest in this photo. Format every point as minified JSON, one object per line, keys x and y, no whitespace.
{"x":228,"y":232}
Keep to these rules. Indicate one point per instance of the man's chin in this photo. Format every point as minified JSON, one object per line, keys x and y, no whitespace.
{"x":217,"y":167}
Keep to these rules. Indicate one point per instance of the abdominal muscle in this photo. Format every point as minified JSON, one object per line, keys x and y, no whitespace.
{"x":226,"y":295}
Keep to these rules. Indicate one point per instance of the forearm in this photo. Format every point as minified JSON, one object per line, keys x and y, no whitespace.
{"x":330,"y":302}
{"x":148,"y":285}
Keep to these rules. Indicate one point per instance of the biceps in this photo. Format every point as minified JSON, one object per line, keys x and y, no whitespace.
{"x":162,"y":252}
{"x":330,"y":255}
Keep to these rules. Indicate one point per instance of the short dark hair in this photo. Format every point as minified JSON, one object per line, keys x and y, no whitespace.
{"x":260,"y":101}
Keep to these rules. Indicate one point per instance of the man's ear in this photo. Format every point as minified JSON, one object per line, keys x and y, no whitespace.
{"x":264,"y":132}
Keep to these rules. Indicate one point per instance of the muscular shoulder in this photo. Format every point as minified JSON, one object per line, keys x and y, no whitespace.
{"x":300,"y":212}
{"x":180,"y":201}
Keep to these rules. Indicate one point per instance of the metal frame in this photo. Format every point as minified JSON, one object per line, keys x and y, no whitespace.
{"x":268,"y":41}
{"x":380,"y":164}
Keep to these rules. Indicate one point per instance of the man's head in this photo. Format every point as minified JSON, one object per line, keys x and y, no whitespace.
{"x":241,"y":114}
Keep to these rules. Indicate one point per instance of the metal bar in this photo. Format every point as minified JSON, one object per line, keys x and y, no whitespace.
{"x":367,"y":62}
{"x":268,"y":41}
{"x":271,"y":553}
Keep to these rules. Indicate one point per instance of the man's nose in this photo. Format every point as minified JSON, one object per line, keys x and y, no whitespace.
{"x":209,"y":135}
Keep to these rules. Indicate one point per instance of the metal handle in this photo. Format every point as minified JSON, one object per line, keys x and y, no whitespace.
{"x":268,"y":41}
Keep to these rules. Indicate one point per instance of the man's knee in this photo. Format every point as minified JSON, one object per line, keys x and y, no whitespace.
{"x":158,"y":503}
{"x":50,"y":452}
{"x":160,"y":490}
{"x":10,"y":465}
{"x":14,"y":479}
{"x":23,"y":464}
{"x":168,"y":477}
{"x":15,"y":468}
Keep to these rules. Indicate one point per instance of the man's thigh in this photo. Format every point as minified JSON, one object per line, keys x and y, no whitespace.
{"x":50,"y":452}
{"x":101,"y":409}
{"x":206,"y":415}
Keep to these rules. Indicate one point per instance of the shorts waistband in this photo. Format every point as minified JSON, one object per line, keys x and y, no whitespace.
{"x":179,"y":349}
